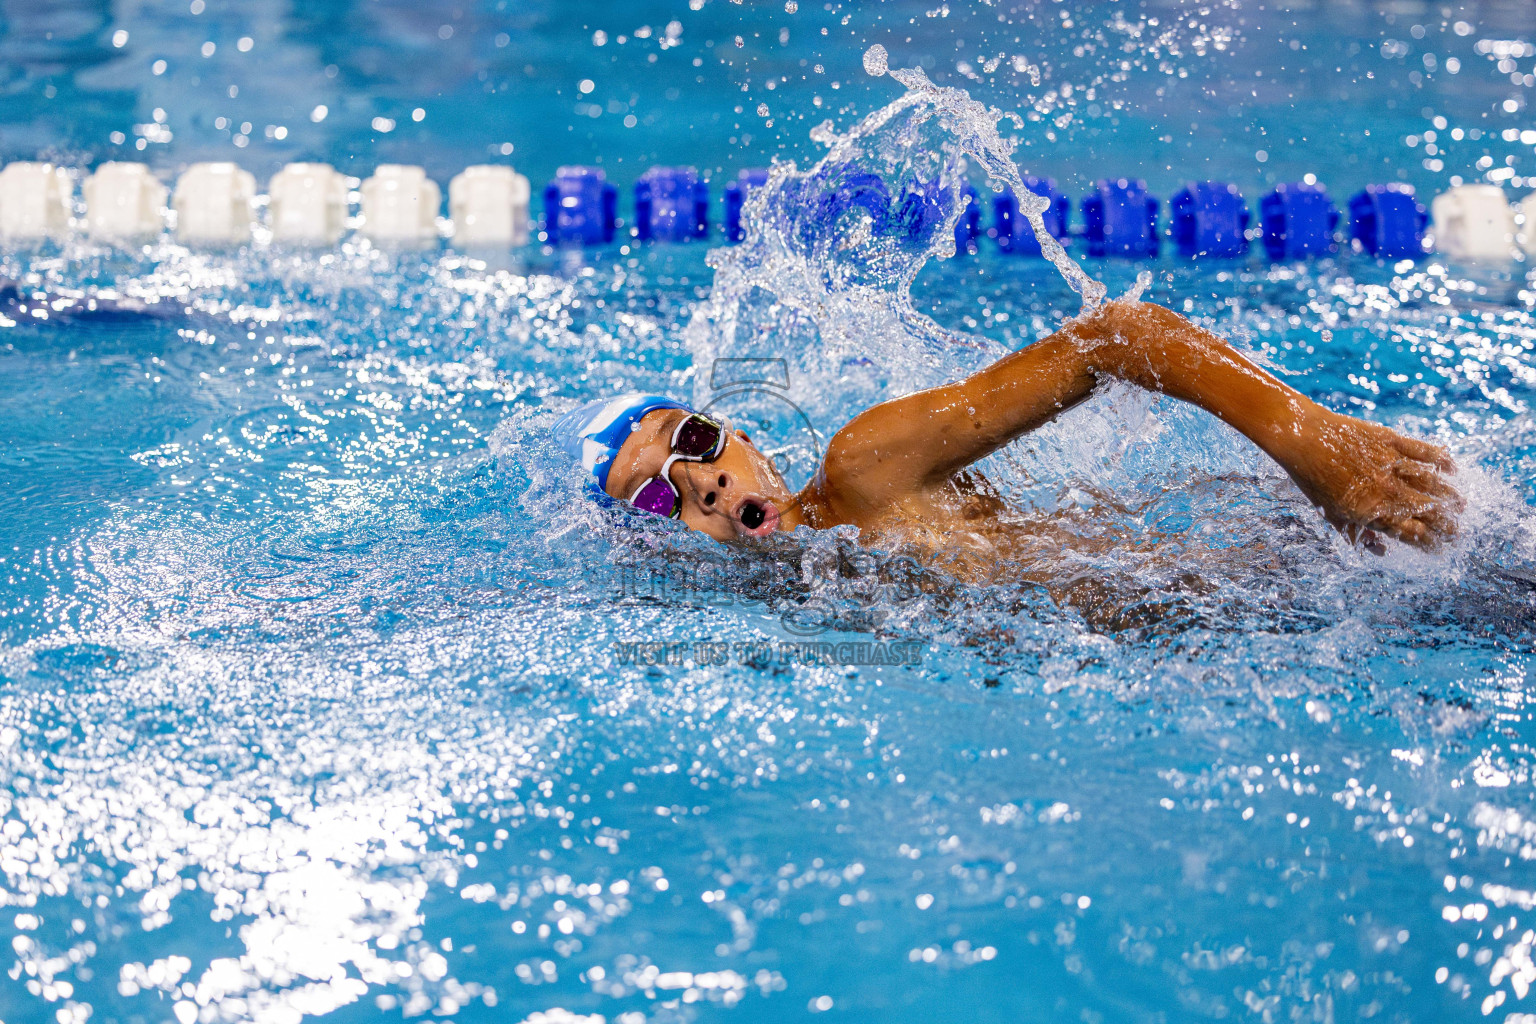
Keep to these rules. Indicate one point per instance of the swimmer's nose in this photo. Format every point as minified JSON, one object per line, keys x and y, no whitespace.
{"x":710,"y":485}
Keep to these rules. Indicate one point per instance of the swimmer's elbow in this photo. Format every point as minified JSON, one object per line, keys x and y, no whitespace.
{"x":1134,"y":320}
{"x":1121,"y":330}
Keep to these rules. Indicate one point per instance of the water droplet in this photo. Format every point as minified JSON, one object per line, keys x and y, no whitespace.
{"x":1143,"y":281}
{"x":876,"y":61}
{"x":762,"y":110}
{"x":790,"y":7}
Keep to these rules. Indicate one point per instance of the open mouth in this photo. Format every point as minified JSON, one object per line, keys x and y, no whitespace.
{"x":757,"y":517}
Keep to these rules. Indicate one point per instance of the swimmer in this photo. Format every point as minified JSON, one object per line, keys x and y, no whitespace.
{"x":898,"y":471}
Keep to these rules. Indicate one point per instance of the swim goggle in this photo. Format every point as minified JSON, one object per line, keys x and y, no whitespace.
{"x":696,"y":439}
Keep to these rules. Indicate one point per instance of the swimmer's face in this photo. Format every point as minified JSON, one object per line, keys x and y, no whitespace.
{"x":740,"y":494}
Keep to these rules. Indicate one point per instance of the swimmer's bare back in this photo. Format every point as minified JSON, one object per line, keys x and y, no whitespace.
{"x":893,"y":470}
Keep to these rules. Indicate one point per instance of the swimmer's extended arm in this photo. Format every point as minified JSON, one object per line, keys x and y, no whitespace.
{"x":1361,"y":474}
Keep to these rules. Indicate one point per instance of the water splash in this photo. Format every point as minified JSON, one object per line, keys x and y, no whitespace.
{"x":822,"y":283}
{"x":974,"y":127}
{"x":882,"y":202}
{"x":1137,"y":290}
{"x":876,"y":61}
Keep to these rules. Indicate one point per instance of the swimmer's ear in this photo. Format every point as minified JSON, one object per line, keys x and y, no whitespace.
{"x":743,"y":435}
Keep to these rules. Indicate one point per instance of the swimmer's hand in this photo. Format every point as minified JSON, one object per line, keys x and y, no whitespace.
{"x":1370,"y":480}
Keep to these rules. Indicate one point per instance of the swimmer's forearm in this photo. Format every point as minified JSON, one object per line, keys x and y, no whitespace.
{"x":1161,"y":351}
{"x":973,"y":418}
{"x":1363,"y":476}
{"x":1142,"y":344}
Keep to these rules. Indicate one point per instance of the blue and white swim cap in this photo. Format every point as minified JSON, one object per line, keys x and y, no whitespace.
{"x":593,"y":433}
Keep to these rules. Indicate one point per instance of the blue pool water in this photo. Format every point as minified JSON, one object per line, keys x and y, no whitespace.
{"x":323,"y":693}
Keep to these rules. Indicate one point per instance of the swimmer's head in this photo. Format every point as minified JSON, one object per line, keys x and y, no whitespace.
{"x":662,"y":457}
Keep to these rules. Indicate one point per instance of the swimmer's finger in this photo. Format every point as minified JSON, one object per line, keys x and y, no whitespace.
{"x":1426,"y":528}
{"x":1441,"y":525}
{"x":1451,"y":500}
{"x":1364,"y":537}
{"x":1424,"y":451}
{"x":1427,"y":481}
{"x":1409,"y":530}
{"x":1436,"y":517}
{"x":1443,"y":517}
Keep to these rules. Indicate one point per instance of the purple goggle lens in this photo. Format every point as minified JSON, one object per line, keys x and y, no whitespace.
{"x":657,"y":496}
{"x":697,"y":438}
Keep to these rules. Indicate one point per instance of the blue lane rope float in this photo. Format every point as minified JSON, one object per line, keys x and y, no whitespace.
{"x":1388,"y":221}
{"x":1120,"y":219}
{"x":736,"y":197}
{"x":671,"y":205}
{"x":1209,"y":219}
{"x":1298,"y":220}
{"x":834,"y":192}
{"x":580,"y":207}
